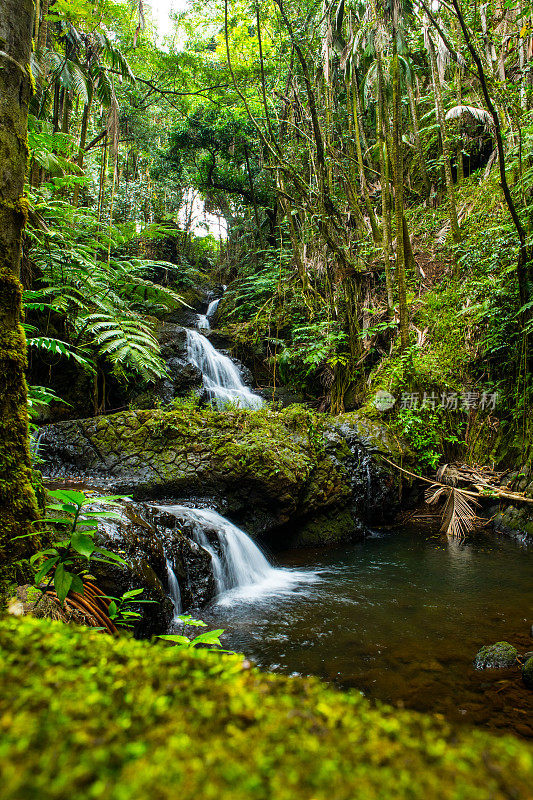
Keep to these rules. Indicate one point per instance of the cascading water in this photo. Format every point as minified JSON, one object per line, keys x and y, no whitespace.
{"x":212,"y":308}
{"x":174,"y":591}
{"x":203,"y":322}
{"x":222,"y":379}
{"x":239,"y":566}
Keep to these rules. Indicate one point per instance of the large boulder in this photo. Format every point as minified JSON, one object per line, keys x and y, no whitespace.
{"x":261,"y":469}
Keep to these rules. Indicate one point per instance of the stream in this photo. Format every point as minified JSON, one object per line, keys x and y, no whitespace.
{"x":399,"y":617}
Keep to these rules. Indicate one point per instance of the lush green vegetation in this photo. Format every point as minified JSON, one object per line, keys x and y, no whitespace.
{"x":124,"y":719}
{"x":312,"y":133}
{"x":367,"y":170}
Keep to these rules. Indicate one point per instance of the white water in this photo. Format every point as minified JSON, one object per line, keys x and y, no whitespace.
{"x":212,"y":307}
{"x":204,"y":320}
{"x":239,"y":567}
{"x":174,"y":590}
{"x":222,"y":378}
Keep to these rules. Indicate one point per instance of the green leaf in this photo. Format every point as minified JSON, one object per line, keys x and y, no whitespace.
{"x":62,"y":582}
{"x":69,"y":496}
{"x":77,"y":584}
{"x":112,"y":610}
{"x":188,"y":620}
{"x":82,"y":544}
{"x":172,"y":637}
{"x":210,"y":637}
{"x":132,"y":593}
{"x":102,"y":515}
{"x":45,"y":568}
{"x":109,"y":554}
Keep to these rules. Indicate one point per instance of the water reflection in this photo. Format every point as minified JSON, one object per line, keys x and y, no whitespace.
{"x":401,"y":617}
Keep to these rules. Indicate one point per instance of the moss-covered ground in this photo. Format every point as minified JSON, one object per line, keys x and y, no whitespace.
{"x":85,"y":716}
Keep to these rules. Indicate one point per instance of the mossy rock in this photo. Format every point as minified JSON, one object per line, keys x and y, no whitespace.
{"x":263,"y":469}
{"x":501,"y":655}
{"x":83,"y":716}
{"x":527,"y":673}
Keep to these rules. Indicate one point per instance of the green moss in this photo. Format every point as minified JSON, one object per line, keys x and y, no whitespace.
{"x":326,"y":529}
{"x":527,"y":673}
{"x":496,"y":656}
{"x":84,"y":716}
{"x":277,"y":448}
{"x":18,"y":505}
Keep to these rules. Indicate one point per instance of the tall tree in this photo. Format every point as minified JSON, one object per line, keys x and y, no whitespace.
{"x":18,"y":506}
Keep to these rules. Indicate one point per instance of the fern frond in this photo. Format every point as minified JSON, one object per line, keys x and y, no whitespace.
{"x":128,"y":343}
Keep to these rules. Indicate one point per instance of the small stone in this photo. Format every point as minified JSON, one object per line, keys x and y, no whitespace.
{"x":496,"y":656}
{"x":527,"y":673}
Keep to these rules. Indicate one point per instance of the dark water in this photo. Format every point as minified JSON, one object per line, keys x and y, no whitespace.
{"x":400,"y":617}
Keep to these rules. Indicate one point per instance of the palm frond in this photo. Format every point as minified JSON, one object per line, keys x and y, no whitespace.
{"x":479,"y":114}
{"x":458,"y":515}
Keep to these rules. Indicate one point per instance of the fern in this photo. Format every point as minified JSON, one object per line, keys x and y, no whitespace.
{"x":128,"y":343}
{"x":58,"y":347}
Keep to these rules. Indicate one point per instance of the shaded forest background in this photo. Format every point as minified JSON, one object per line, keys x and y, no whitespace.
{"x":371,"y":163}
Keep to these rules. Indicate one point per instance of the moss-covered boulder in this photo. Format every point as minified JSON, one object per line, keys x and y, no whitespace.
{"x":501,"y":655}
{"x":85,"y":716}
{"x":527,"y":673}
{"x":262,"y":469}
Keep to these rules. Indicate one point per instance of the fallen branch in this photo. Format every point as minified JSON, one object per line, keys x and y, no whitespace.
{"x":481,"y":489}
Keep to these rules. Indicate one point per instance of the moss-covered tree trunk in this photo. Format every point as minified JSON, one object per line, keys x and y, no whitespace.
{"x":398,"y":194}
{"x":18,"y":506}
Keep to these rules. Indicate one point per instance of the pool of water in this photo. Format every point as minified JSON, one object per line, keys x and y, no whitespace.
{"x":399,"y":617}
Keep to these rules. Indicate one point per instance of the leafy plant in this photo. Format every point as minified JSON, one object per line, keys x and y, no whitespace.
{"x":122,"y":611}
{"x":69,"y":558}
{"x":209,"y":639}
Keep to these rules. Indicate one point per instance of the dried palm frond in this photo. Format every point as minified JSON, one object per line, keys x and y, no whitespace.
{"x":440,"y":238}
{"x":479,"y":114}
{"x":458,"y":515}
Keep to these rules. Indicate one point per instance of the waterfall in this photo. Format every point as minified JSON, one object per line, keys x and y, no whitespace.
{"x":174,"y":591}
{"x":237,"y":562}
{"x":222,"y":379}
{"x":212,"y":307}
{"x":203,"y":322}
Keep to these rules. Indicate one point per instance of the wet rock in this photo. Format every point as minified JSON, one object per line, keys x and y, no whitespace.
{"x":281,"y":395}
{"x":183,"y":377}
{"x":262,"y":470}
{"x":496,"y":656}
{"x":527,"y":673}
{"x":147,"y":542}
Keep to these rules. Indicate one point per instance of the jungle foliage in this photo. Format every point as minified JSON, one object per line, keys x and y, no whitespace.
{"x":370,"y":163}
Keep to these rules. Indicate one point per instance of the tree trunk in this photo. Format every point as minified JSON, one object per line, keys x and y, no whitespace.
{"x":81,"y":149}
{"x":398,"y":196}
{"x":524,"y":271}
{"x":439,"y":108}
{"x":385,"y":193}
{"x":18,"y":505}
{"x":362,"y":178}
{"x":418,"y":143}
